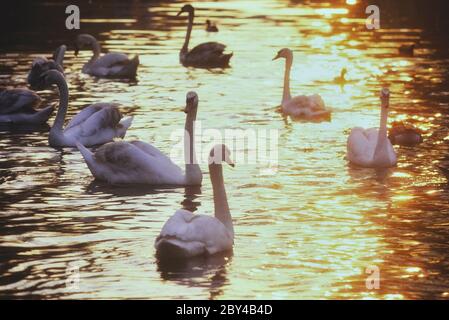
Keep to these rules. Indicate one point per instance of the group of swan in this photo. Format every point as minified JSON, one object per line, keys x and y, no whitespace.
{"x":138,"y":162}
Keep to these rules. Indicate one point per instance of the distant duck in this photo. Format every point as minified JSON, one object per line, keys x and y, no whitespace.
{"x":404,"y":135}
{"x":370,"y":148}
{"x":210,"y":26}
{"x":18,"y":106}
{"x":108,"y":65}
{"x":299,"y":107}
{"x":205,"y":55}
{"x":137,"y":162}
{"x":407,"y":50}
{"x":41,"y":65}
{"x":94,"y":125}
{"x":186,"y":235}
{"x":342,"y":78}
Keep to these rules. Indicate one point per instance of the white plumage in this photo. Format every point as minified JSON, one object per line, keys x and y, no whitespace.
{"x":109,"y":65}
{"x":186,"y":235}
{"x":371,"y":147}
{"x":96,"y":124}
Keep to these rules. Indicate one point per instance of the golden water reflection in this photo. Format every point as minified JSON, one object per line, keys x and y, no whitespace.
{"x":309,"y":231}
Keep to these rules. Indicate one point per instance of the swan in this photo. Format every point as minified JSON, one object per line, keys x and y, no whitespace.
{"x":186,"y":235}
{"x":96,"y":124}
{"x":41,"y":64}
{"x":205,"y":55}
{"x":109,"y":65}
{"x":404,"y":135}
{"x":140,"y":163}
{"x":17,"y":106}
{"x":300,"y":107}
{"x":210,"y":26}
{"x":371,"y":148}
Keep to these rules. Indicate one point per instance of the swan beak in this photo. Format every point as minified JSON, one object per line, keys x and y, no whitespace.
{"x":179,"y":13}
{"x":275,"y":58}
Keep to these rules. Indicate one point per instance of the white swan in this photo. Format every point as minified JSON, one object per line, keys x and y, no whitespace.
{"x":140,"y":163}
{"x":299,"y":107}
{"x":17,"y":106}
{"x":41,"y":65}
{"x":371,"y":148}
{"x":186,"y":235}
{"x":96,"y":124}
{"x":204,"y":55}
{"x":109,"y":65}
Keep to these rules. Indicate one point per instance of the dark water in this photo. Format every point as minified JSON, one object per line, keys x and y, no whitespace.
{"x":306,"y":228}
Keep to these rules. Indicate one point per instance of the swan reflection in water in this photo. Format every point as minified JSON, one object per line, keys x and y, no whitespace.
{"x":205,"y":271}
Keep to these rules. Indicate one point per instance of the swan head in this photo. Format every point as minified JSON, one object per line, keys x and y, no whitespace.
{"x":220,"y":153}
{"x":191,"y":102}
{"x":186,"y":8}
{"x":285,"y":53}
{"x":82,"y":40}
{"x":385,"y":97}
{"x":51,"y":77}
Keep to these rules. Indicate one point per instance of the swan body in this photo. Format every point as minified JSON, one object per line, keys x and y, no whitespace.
{"x":187,"y":235}
{"x":41,"y":65}
{"x":404,"y":135}
{"x":17,"y":106}
{"x":138,"y":162}
{"x":205,"y":55}
{"x":211,"y":27}
{"x":96,"y":124}
{"x":109,"y":65}
{"x":300,"y":107}
{"x":371,"y":148}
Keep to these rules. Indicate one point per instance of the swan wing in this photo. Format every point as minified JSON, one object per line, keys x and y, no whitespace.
{"x":18,"y":100}
{"x":361,"y":145}
{"x":110,"y":60}
{"x":149,"y":149}
{"x":195,"y":234}
{"x":208,"y":47}
{"x":314,"y":102}
{"x":104,"y":114}
{"x":125,"y":162}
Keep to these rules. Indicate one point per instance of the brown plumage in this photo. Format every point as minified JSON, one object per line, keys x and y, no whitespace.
{"x":404,"y":134}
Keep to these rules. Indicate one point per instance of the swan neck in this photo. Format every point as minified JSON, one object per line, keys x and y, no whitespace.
{"x":286,"y":96}
{"x":221,"y":206}
{"x":193,"y":171}
{"x":96,"y":48}
{"x":60,"y":55}
{"x":185,"y":47}
{"x":382,"y":137}
{"x":58,"y":79}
